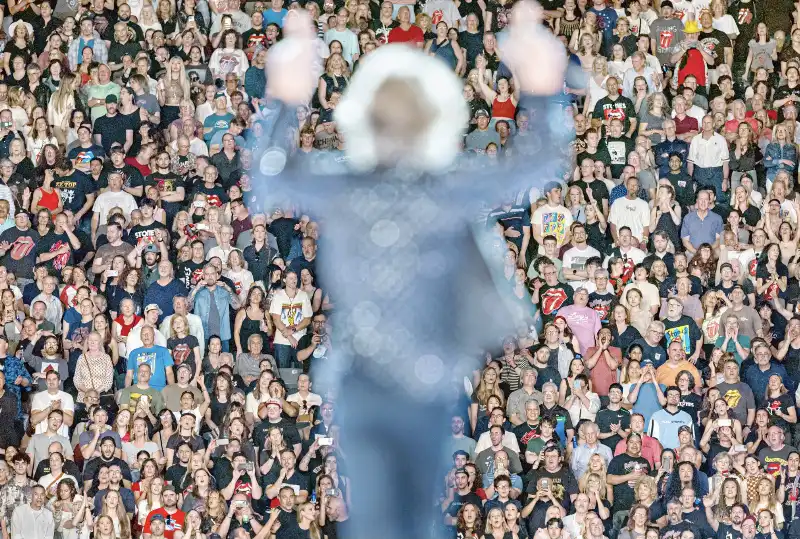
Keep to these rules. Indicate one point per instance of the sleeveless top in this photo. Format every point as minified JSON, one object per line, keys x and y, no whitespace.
{"x":504,"y":109}
{"x":566,"y":28}
{"x":49,"y":200}
{"x":666,"y":224}
{"x":445,"y":52}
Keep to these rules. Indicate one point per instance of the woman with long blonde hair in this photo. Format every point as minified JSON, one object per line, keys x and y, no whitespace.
{"x":335,"y":79}
{"x":61,"y":105}
{"x":114,"y":508}
{"x":173,"y":86}
{"x":488,"y":386}
{"x":767,"y":499}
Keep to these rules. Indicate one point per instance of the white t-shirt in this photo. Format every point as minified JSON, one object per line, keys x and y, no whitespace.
{"x":42,"y":399}
{"x":109,"y":200}
{"x":292,"y":312}
{"x":553,"y":221}
{"x":442,"y":10}
{"x":635,"y":214}
{"x":576,"y":259}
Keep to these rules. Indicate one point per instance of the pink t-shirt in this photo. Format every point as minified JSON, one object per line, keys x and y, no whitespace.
{"x":584,"y":323}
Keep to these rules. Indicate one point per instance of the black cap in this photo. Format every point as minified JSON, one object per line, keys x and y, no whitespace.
{"x":111,"y":98}
{"x":667,"y":3}
{"x":117,"y":148}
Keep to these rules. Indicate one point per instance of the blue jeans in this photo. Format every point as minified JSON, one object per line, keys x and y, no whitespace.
{"x":711,"y":177}
{"x":286,"y":356}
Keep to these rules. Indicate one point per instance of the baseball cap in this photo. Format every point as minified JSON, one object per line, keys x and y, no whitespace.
{"x":462,"y":470}
{"x":549,"y":186}
{"x":685,"y":428}
{"x":273,"y":402}
{"x":168,"y":486}
{"x":151,"y":248}
{"x":481,"y":112}
{"x":159,"y":516}
{"x":184,"y":365}
{"x":667,"y":3}
{"x":111,"y":98}
{"x":152,"y":306}
{"x":117,"y":147}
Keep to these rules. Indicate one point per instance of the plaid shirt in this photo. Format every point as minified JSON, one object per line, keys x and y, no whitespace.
{"x":13,"y":367}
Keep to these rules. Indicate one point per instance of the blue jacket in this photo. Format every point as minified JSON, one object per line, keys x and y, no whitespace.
{"x":664,"y":149}
{"x":255,"y":82}
{"x":775,"y":152}
{"x":202,"y":308}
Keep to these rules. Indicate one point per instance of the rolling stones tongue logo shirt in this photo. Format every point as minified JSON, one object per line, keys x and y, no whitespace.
{"x":51,"y":244}
{"x":21,"y":247}
{"x":553,"y":298}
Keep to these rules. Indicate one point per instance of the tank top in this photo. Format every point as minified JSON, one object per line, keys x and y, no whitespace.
{"x":49,"y":200}
{"x":566,"y":28}
{"x":503,"y":109}
{"x":445,"y":52}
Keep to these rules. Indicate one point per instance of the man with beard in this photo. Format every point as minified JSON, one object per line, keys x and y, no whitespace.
{"x":56,"y":248}
{"x":111,"y":128}
{"x":78,"y":192}
{"x":555,"y":472}
{"x":676,"y":525}
{"x":46,"y":361}
{"x":17,"y":248}
{"x":171,"y":188}
{"x":108,"y":447}
{"x":114,"y":247}
{"x":458,"y":495}
{"x":459,"y":442}
{"x":670,"y":285}
{"x":624,"y":470}
{"x":722,"y":530}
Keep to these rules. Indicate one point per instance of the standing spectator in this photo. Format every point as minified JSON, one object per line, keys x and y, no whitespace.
{"x":708,"y":159}
{"x":291,"y":312}
{"x":33,"y":520}
{"x":156,"y":356}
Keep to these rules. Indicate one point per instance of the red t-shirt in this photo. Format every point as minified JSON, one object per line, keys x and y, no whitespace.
{"x":412,"y":35}
{"x":172,"y":523}
{"x":686,"y":125}
{"x":694,"y":64}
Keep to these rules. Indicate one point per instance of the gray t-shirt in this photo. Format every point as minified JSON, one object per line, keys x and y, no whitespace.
{"x":668,"y":34}
{"x":749,"y":320}
{"x":739,"y":397}
{"x":213,"y":317}
{"x":478,"y":140}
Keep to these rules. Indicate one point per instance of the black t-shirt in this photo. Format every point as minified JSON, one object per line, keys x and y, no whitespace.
{"x":473,"y":43}
{"x":763,"y":273}
{"x":261,"y":429}
{"x":716,"y":41}
{"x":292,"y":530}
{"x":74,"y":189}
{"x":190,"y":273}
{"x":620,"y":108}
{"x":726,"y":531}
{"x":284,"y":232}
{"x":118,"y":50}
{"x":674,"y":531}
{"x":599,"y":190}
{"x":145,"y":233}
{"x":685,"y":330}
{"x":618,"y":149}
{"x":215,"y":196}
{"x":691,"y":404}
{"x":600,"y":155}
{"x":622,"y":465}
{"x":131,"y":175}
{"x":21,"y":256}
{"x":51,"y":243}
{"x":111,"y":130}
{"x":605,"y":418}
{"x":603,"y":304}
{"x":553,"y":298}
{"x":167,"y":184}
{"x":684,"y":188}
{"x":83,"y":156}
{"x":460,"y":501}
{"x":182,"y":350}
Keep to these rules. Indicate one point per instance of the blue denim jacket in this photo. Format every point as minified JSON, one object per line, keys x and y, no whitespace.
{"x":202,"y":308}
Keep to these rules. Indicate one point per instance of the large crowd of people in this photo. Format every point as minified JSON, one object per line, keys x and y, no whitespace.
{"x":163,"y":328}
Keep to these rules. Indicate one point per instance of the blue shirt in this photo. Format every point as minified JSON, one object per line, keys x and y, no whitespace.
{"x":647,"y":401}
{"x":758,"y":379}
{"x":162,"y":296}
{"x":700,"y":231}
{"x":13,"y":368}
{"x":159,"y":360}
{"x":271,"y":16}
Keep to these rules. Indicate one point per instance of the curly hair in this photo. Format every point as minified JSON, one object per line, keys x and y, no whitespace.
{"x":461,"y":525}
